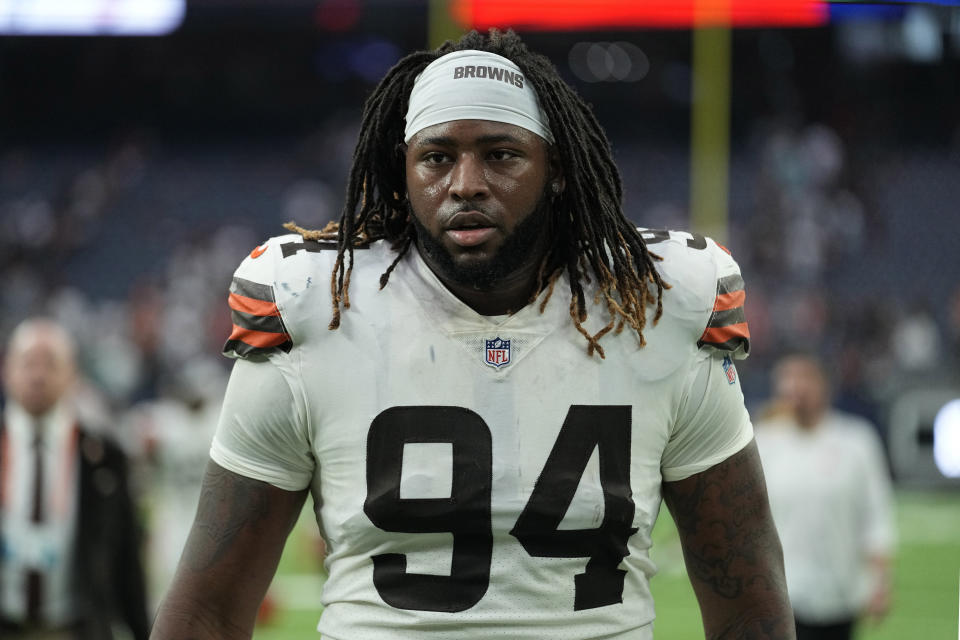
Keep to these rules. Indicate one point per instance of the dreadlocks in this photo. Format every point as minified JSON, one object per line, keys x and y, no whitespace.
{"x":593,"y":234}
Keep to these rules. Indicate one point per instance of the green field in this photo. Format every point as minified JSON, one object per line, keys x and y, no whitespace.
{"x":927,"y":577}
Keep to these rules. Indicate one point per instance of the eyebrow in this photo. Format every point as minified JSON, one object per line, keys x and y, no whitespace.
{"x":449,"y":141}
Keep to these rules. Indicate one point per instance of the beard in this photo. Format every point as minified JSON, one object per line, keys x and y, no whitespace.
{"x":518,"y":248}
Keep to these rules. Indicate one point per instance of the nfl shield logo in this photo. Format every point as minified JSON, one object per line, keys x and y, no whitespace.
{"x":729,"y":369}
{"x":497,"y":352}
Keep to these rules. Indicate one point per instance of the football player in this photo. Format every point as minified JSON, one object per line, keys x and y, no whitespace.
{"x":512,"y":380}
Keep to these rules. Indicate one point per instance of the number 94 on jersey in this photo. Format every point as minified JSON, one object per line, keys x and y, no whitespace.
{"x":466,"y":511}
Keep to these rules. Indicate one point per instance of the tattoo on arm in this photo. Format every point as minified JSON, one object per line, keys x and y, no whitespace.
{"x":228,"y":504}
{"x":229,"y":559}
{"x":756,"y":627}
{"x":699,"y":510}
{"x":731,"y":549}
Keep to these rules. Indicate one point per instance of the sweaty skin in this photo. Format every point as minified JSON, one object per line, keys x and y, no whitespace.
{"x":477,"y":192}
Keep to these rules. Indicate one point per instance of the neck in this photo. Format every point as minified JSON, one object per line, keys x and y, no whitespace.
{"x":507,"y":295}
{"x":33,"y":414}
{"x":808,"y":420}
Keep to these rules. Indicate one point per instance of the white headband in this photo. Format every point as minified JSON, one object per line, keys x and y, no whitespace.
{"x":474,"y":85}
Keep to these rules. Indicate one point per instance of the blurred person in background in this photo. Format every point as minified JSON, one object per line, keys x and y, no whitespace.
{"x":832,"y":502}
{"x":172,"y":439}
{"x":70,"y":566}
{"x":487,"y":455}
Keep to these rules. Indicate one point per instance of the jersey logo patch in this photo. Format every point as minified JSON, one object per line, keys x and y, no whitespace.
{"x":257,"y":252}
{"x":497,"y":352}
{"x":729,"y":369}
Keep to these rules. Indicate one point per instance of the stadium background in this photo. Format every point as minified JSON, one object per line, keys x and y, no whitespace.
{"x":136,"y":172}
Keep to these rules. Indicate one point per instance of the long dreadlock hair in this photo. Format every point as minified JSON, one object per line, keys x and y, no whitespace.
{"x":593,"y":236}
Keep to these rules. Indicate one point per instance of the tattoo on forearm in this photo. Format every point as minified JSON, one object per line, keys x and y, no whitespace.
{"x":228,"y":504}
{"x":755,"y":628}
{"x":731,"y":546}
{"x":727,"y":489}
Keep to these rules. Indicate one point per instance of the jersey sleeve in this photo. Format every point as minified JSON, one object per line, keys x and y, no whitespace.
{"x":258,"y":322}
{"x":706,"y":295}
{"x":262,"y":432}
{"x":726,"y":329}
{"x":712,"y":423}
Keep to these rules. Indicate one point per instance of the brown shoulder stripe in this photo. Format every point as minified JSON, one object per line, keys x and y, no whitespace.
{"x":267,"y":324}
{"x":257,"y":324}
{"x":727,"y":328}
{"x":251,"y":289}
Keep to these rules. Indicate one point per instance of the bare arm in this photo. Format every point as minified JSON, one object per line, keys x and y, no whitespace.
{"x":881,"y":589}
{"x":229,"y":559}
{"x":732,"y":550}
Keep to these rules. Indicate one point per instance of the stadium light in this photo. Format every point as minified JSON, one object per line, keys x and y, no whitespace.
{"x":946,"y":439}
{"x":923,"y":436}
{"x":90,"y":17}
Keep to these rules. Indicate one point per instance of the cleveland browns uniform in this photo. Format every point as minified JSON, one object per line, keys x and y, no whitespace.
{"x":475,"y":476}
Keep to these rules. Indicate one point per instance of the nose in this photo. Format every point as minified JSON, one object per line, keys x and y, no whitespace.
{"x":468,"y":181}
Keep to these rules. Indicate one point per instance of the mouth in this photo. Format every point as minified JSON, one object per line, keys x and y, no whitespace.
{"x":469,"y":228}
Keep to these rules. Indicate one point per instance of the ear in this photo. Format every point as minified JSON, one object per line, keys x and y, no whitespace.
{"x":555,"y":178}
{"x":401,"y":150}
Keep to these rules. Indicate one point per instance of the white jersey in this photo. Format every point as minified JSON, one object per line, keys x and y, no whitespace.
{"x":479,"y":477}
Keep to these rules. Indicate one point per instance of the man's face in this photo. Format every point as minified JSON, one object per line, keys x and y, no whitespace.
{"x":477,"y":194}
{"x":800,"y":387}
{"x":38,"y":371}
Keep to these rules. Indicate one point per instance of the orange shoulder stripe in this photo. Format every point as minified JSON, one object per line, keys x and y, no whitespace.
{"x":262,"y":339}
{"x":732,"y":300}
{"x":719,"y":335}
{"x":252,"y":306}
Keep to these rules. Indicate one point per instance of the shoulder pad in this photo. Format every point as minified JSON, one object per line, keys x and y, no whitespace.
{"x":706,"y":289}
{"x":281,"y":254}
{"x":256,"y":311}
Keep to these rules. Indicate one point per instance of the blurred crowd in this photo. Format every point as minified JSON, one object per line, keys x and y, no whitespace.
{"x":833,"y":250}
{"x":131,"y":247}
{"x":832,"y":274}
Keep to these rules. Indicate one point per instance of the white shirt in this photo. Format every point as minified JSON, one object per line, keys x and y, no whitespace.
{"x":180,"y":437}
{"x":831,"y":499}
{"x":462,"y":483}
{"x":46,"y":546}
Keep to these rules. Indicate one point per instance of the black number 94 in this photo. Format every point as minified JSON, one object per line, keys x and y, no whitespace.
{"x":466,"y":513}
